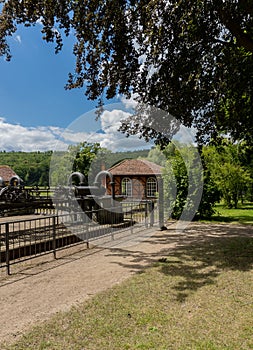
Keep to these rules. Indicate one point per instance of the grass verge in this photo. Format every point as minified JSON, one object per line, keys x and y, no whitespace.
{"x":197,"y":297}
{"x":242,"y":215}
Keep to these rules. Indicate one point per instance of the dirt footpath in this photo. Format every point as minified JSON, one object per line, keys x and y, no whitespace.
{"x":42,"y":287}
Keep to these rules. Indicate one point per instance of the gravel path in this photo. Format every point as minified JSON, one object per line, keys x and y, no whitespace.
{"x":42,"y":287}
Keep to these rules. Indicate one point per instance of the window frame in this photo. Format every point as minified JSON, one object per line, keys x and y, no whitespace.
{"x":126,"y":187}
{"x":151,"y":187}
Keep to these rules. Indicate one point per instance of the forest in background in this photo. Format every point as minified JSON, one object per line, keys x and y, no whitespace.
{"x":33,"y":167}
{"x":225,"y":170}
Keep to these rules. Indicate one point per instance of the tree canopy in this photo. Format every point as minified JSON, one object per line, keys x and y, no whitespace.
{"x":192,"y":59}
{"x":230,"y":167}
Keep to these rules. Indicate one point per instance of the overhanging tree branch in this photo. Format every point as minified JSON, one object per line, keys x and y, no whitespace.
{"x":179,"y":56}
{"x":242,"y":37}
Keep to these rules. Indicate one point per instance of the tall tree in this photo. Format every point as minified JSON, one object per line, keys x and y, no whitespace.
{"x":191,"y":58}
{"x":78,"y":158}
{"x":187,"y":195}
{"x":227,"y":172}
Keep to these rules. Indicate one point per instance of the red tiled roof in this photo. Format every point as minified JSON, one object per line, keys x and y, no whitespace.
{"x":6,"y":173}
{"x":136,"y":167}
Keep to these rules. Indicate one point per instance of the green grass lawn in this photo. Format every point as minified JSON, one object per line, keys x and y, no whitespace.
{"x":242,"y":215}
{"x":197,"y":297}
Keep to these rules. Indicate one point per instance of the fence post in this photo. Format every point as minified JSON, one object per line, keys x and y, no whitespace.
{"x":7,"y":248}
{"x":146,"y":214}
{"x":131,"y":217}
{"x":112,"y":216}
{"x":161,"y":202}
{"x":54,"y":237}
{"x":151,"y":211}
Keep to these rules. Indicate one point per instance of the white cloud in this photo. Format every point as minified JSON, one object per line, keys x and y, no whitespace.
{"x":108,"y":136}
{"x":186,"y":135}
{"x":129,"y":102}
{"x":15,"y":137}
{"x":18,"y":39}
{"x":40,"y":21}
{"x":111,"y":120}
{"x":112,"y":138}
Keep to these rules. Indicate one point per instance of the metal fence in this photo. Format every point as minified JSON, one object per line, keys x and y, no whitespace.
{"x":48,"y":232}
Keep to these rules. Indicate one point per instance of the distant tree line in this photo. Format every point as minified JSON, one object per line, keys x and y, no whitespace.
{"x":33,"y":167}
{"x":226,"y":169}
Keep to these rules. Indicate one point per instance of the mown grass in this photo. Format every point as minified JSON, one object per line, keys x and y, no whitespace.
{"x":242,"y":215}
{"x":197,"y":297}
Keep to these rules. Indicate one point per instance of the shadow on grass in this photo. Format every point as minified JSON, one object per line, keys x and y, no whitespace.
{"x":197,"y":256}
{"x":199,"y":264}
{"x":243,"y":214}
{"x":242,"y":219}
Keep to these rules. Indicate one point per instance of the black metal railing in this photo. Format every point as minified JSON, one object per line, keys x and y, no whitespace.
{"x":21,"y":240}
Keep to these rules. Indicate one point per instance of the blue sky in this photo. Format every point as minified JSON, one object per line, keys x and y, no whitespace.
{"x":36,"y":111}
{"x":32,"y":84}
